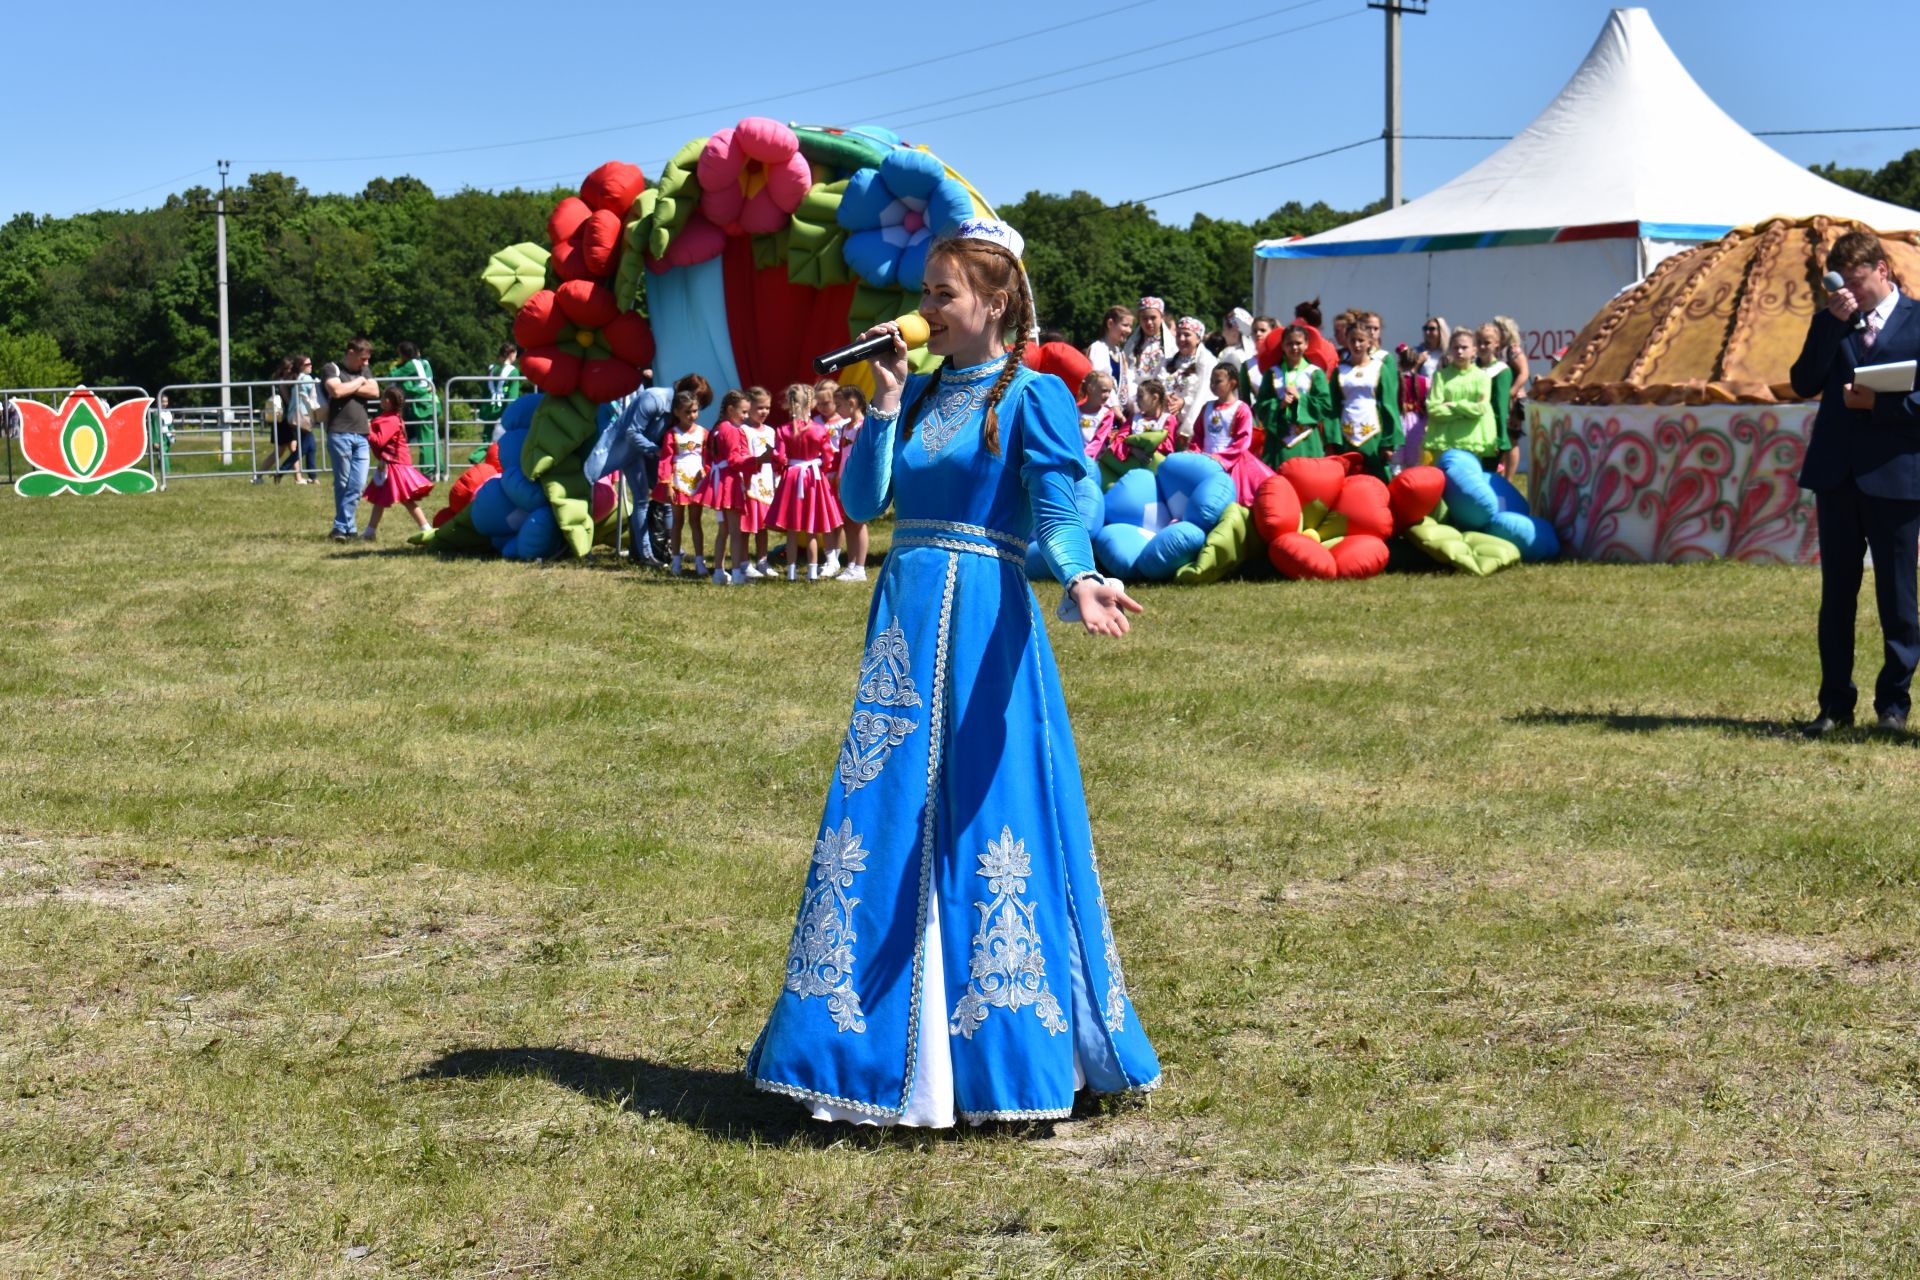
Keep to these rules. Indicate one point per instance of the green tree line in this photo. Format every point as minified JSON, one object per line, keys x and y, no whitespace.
{"x":129,"y":297}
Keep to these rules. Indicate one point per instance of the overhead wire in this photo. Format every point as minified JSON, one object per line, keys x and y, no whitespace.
{"x":1169,"y":62}
{"x":839,"y":84}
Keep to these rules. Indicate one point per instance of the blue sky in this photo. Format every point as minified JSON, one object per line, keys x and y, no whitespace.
{"x":1155,"y":94}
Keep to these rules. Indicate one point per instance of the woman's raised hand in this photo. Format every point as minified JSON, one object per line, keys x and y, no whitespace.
{"x":889,"y":368}
{"x":1104,"y":606}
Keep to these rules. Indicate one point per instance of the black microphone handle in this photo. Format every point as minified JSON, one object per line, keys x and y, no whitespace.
{"x":852,"y":353}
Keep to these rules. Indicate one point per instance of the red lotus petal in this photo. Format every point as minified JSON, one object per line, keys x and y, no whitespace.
{"x":1365,"y":504}
{"x":554,"y":371}
{"x":614,"y":186}
{"x":568,"y":262}
{"x":566,"y":219}
{"x":588,"y":303}
{"x":1316,"y":479}
{"x":599,"y":241}
{"x":605,"y":380}
{"x":1298,"y":556}
{"x":126,"y":436}
{"x":1359,"y":555}
{"x":40,"y":429}
{"x":629,"y":336}
{"x":1276,"y":509}
{"x":540,"y":322}
{"x":1414,"y":493}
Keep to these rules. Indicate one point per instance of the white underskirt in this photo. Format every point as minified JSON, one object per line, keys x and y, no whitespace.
{"x":930,"y":1105}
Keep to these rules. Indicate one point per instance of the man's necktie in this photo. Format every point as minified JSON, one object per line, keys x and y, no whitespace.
{"x":1873,"y":331}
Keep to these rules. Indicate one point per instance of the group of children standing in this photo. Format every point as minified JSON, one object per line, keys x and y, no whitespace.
{"x":756,"y":477}
{"x":1299,"y":395}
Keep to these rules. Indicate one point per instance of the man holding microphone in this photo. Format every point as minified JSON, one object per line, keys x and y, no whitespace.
{"x":1863,"y":468}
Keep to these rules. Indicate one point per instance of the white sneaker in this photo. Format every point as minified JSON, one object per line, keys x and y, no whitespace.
{"x":752,"y":573}
{"x":852,"y":573}
{"x":699,"y":566}
{"x":675,"y":570}
{"x":739,"y":576}
{"x":832,"y":566}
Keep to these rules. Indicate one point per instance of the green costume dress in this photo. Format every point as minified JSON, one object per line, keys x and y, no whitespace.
{"x":422,"y":415}
{"x":1311,"y":416}
{"x":1369,"y":397}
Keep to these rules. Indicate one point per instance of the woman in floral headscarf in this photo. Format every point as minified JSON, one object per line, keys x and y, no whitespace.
{"x":1188,"y":372}
{"x":1150,"y":345}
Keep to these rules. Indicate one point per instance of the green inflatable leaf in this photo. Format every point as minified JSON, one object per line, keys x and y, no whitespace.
{"x":1477,"y":553}
{"x":1143,"y":450}
{"x":676,"y":197}
{"x":561,"y":425}
{"x":770,"y":250}
{"x":456,"y":535}
{"x":837,"y":155}
{"x":516,"y":273}
{"x":816,"y":241}
{"x":1225,"y":550}
{"x":571,"y":496}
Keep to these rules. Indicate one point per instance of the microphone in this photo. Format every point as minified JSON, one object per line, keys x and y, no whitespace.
{"x":1834,"y":284}
{"x":913,"y":331}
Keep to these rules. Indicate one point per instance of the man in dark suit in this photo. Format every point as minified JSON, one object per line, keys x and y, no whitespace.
{"x":1863,"y":468}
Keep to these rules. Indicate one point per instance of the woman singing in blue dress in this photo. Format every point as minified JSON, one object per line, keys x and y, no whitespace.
{"x":953,"y":955}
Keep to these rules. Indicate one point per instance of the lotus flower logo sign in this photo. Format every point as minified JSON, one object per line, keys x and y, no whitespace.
{"x":83,"y":447}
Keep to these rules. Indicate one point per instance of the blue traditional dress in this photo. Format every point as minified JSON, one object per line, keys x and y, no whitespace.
{"x":953,"y":952}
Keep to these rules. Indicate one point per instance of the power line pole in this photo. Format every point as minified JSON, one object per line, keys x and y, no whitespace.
{"x":1393,"y":9}
{"x":226,"y":362}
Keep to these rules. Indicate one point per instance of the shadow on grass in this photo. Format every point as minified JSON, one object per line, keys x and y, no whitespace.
{"x":1642,"y":722}
{"x":721,"y":1104}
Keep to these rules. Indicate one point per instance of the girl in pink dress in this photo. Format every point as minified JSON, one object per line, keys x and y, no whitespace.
{"x":1098,"y":421}
{"x":851,"y":404}
{"x":1153,"y":414}
{"x":826,"y":412}
{"x":804,"y":505}
{"x":683,"y":465}
{"x":396,"y":479}
{"x":758,"y":484}
{"x":724,"y":488}
{"x":1224,"y":430}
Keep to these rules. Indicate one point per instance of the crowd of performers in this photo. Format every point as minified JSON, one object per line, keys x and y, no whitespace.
{"x":1256,"y":394}
{"x":758,"y":469}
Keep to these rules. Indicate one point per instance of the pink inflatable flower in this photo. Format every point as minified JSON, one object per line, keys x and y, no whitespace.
{"x":752,"y":177}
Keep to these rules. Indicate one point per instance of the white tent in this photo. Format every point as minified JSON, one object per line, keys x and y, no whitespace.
{"x":1631,"y":163}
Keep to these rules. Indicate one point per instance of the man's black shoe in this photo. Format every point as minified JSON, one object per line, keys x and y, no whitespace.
{"x":1892,"y":721}
{"x":1826,"y":724}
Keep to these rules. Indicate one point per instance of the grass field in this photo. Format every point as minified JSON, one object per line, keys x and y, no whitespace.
{"x":368,"y":914}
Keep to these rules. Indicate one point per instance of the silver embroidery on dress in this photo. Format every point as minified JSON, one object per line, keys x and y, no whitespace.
{"x":1008,"y":971}
{"x":820,"y":960}
{"x":1116,"y":1010}
{"x":955,"y":401}
{"x":886,"y":680}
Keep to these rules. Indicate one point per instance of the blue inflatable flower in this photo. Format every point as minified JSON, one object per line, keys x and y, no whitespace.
{"x":1157,"y":521}
{"x":892,"y":214}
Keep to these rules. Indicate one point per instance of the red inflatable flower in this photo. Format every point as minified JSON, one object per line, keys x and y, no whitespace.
{"x":1321,"y":519}
{"x":585,"y":229}
{"x":577,"y":339}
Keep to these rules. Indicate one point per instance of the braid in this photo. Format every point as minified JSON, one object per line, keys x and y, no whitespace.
{"x":990,"y":429}
{"x":1020,"y":320}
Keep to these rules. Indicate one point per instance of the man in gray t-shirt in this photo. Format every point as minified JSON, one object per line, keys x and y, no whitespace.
{"x":349,"y":390}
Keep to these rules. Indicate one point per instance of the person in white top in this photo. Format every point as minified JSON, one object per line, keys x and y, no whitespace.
{"x":1189,"y":372}
{"x":1150,"y":346}
{"x":1107,"y":355}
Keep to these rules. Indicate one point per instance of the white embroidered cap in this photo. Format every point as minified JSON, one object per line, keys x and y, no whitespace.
{"x":991,"y":230}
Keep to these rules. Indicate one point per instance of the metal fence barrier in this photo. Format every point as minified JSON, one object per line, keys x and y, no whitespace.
{"x":471,"y":404}
{"x":53,"y":397}
{"x":204,"y":430}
